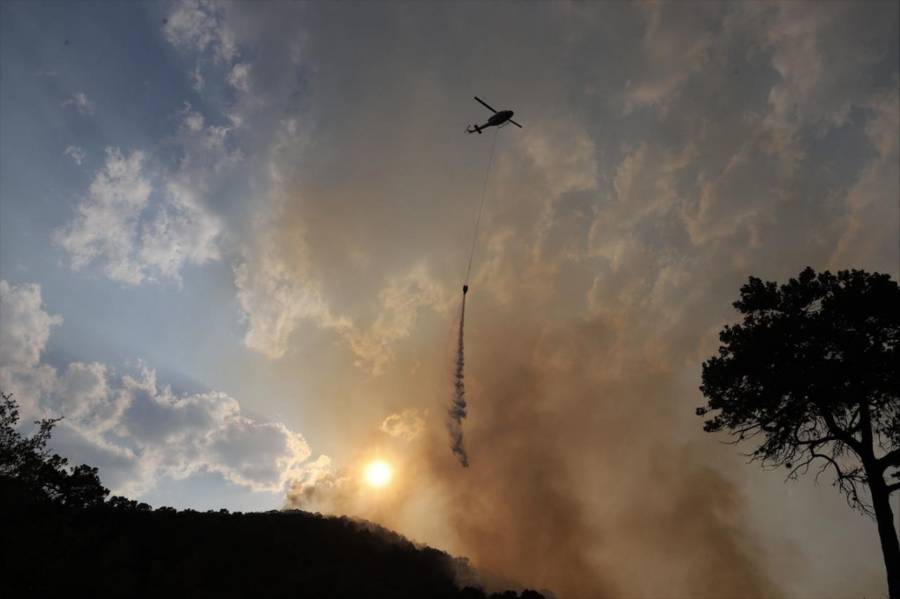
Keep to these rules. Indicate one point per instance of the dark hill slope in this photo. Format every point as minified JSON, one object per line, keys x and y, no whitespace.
{"x":131,"y":551}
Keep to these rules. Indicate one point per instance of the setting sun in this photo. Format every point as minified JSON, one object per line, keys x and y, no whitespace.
{"x":378,"y":473}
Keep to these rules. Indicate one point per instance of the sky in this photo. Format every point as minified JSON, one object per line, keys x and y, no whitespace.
{"x":233,"y":236}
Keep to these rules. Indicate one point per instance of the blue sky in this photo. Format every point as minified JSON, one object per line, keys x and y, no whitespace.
{"x":232,"y":237}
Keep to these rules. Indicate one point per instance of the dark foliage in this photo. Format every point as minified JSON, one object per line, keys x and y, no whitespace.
{"x":28,"y":461}
{"x":812,"y":376}
{"x":60,"y":538}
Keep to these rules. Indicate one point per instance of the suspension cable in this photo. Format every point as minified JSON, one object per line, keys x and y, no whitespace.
{"x":484,"y":186}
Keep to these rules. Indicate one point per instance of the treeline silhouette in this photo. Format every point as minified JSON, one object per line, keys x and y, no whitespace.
{"x":63,"y":536}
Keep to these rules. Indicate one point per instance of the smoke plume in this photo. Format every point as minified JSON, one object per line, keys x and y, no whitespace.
{"x":457,"y":411}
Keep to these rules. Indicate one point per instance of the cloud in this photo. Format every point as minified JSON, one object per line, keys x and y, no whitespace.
{"x":135,"y":429}
{"x":182,"y":435}
{"x":24,"y":326}
{"x":278,"y":292}
{"x":183,"y":232}
{"x":406,"y":425}
{"x":673,"y":47}
{"x":239,"y":77}
{"x":870,"y":228}
{"x":399,"y":305}
{"x":135,"y":239}
{"x":106,"y":224}
{"x":81,"y":103}
{"x":276,"y":299}
{"x":201,"y":29}
{"x":198,"y":25}
{"x":75,"y":153}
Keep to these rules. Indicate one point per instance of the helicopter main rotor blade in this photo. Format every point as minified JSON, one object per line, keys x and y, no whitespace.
{"x":515,"y":123}
{"x":486,"y":105}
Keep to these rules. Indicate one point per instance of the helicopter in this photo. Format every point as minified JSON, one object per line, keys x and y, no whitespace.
{"x":498,"y":119}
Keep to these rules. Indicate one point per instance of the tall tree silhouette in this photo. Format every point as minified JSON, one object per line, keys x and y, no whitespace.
{"x":813,"y":376}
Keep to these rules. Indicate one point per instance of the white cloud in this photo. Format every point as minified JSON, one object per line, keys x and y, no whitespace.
{"x":136,"y":428}
{"x":84,"y":398}
{"x":106,"y":224}
{"x":199,"y":25}
{"x":118,"y":226}
{"x":81,"y":103}
{"x":239,"y":77}
{"x":75,"y":153}
{"x":406,"y":425}
{"x":24,"y":326}
{"x":182,"y":232}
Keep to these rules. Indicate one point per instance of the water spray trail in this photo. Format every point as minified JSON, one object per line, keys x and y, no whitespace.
{"x":457,"y":409}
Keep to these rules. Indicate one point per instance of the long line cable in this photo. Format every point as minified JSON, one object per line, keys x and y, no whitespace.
{"x":456,"y":412}
{"x":484,"y":187}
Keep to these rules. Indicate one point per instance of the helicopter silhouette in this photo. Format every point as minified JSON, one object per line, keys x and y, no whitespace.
{"x":498,"y":119}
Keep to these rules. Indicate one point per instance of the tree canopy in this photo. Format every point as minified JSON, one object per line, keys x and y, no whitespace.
{"x":27,"y":463}
{"x":812,"y":376}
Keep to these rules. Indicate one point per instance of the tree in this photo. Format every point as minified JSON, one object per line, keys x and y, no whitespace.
{"x":812,"y":375}
{"x":26,"y":463}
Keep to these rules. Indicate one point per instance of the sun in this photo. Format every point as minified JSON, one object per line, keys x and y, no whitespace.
{"x":378,"y":473}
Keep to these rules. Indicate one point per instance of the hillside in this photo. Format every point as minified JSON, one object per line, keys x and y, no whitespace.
{"x":129,"y":550}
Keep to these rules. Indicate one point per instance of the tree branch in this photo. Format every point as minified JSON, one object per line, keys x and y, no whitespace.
{"x":888,"y":460}
{"x":840,"y":433}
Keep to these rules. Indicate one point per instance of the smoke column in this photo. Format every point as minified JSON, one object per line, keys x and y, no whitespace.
{"x":457,"y":409}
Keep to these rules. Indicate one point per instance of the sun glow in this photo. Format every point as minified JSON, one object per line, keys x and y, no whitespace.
{"x":378,"y":473}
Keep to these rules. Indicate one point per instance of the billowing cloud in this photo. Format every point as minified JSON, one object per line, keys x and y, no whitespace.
{"x":136,"y":239}
{"x":135,"y":429}
{"x":106,"y":224}
{"x":24,"y":326}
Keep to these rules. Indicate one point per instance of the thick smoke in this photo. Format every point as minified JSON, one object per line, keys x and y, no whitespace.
{"x":579,"y":485}
{"x":644,"y":190}
{"x":457,"y":411}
